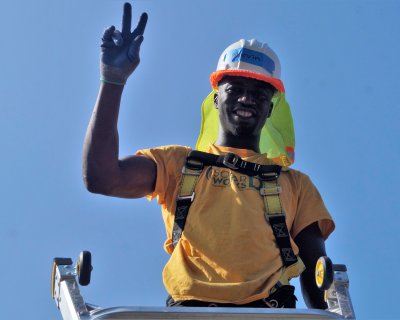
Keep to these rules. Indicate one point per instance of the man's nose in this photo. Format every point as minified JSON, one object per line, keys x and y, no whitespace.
{"x":247,"y":98}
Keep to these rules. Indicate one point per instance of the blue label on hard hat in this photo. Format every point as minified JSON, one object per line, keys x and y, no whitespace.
{"x":250,"y":56}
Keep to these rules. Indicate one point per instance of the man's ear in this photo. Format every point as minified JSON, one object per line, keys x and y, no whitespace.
{"x":216,"y":100}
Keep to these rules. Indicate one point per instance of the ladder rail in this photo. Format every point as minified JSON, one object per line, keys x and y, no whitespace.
{"x":72,"y":306}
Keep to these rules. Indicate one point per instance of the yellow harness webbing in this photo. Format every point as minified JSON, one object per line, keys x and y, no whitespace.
{"x":190,"y":174}
{"x":274,"y":214}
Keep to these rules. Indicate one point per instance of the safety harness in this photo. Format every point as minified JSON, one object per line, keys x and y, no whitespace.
{"x":269,"y":190}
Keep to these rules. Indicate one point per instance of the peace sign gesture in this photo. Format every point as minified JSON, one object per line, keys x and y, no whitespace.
{"x":120,"y":50}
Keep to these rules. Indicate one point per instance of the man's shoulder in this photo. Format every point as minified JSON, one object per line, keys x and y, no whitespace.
{"x":170,"y":149}
{"x":168,"y":155}
{"x":295,"y":174}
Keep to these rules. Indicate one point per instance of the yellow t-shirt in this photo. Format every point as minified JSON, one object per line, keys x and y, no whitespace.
{"x":227,"y":252}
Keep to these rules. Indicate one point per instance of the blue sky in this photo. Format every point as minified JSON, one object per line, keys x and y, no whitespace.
{"x":340,"y":66}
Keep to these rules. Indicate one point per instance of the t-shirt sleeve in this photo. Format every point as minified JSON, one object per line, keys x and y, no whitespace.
{"x":169,"y":161}
{"x":310,"y":209}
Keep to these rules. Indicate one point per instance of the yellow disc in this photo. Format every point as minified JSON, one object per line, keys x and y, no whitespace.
{"x":319,"y":273}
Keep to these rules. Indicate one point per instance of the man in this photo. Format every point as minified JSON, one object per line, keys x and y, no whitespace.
{"x":226,"y":249}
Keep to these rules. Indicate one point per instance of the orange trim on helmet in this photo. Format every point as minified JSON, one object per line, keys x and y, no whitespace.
{"x":216,"y":77}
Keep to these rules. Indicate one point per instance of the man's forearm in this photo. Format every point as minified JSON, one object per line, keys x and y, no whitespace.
{"x":101,"y":145}
{"x":312,"y":246}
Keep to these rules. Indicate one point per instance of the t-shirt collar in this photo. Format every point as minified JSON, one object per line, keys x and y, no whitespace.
{"x":243,"y":153}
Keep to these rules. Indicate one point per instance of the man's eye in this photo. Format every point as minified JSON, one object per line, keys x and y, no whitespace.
{"x":233,"y":90}
{"x":262,"y":96}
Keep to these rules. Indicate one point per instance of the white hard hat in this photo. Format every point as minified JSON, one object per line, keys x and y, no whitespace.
{"x":249,"y":58}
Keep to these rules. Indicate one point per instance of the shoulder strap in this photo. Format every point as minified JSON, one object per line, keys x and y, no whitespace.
{"x":190,"y":174}
{"x":276,"y":217}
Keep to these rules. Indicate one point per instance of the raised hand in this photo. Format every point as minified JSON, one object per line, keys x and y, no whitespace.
{"x":120,"y":49}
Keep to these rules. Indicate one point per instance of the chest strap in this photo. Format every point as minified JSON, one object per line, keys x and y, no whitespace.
{"x":270,"y":191}
{"x":234,"y":162}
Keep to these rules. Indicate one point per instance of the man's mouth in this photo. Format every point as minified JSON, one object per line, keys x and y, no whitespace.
{"x":244,"y":113}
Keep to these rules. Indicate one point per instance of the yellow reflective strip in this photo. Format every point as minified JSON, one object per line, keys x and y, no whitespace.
{"x":188,"y":185}
{"x":270,"y":191}
{"x":188,"y":182}
{"x":273,"y":201}
{"x":274,"y":205}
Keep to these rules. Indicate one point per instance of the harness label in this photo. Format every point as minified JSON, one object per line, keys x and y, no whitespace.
{"x":252,"y":57}
{"x":222,"y":177}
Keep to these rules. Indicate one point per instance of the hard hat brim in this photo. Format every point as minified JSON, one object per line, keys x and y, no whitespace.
{"x":216,"y":77}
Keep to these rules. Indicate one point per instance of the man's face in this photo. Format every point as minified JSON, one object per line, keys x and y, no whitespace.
{"x":244,"y":105}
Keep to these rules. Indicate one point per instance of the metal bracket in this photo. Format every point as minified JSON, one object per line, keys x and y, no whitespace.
{"x":66,"y":293}
{"x":338,"y":296}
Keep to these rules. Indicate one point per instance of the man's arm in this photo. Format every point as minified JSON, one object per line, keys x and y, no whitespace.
{"x":312,"y":246}
{"x":103,"y":171}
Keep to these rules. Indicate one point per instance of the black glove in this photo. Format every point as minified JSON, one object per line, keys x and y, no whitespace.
{"x":120,"y":50}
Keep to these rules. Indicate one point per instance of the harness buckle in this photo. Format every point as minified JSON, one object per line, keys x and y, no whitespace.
{"x":230,"y":161}
{"x":279,"y":215}
{"x":190,"y":172}
{"x":194,"y":165}
{"x":192,"y":169}
{"x":268,"y":176}
{"x":191,"y":197}
{"x":271,"y":191}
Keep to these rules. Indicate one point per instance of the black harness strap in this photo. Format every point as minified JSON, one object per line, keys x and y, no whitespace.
{"x":234,"y":162}
{"x":276,"y":217}
{"x":281,"y":233}
{"x":181,"y":213}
